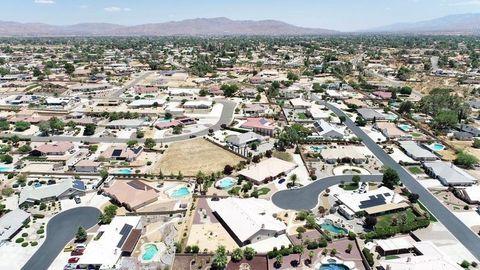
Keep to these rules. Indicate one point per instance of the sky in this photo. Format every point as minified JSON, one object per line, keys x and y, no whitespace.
{"x":343,"y":15}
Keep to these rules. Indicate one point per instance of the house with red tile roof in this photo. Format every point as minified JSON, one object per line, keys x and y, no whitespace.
{"x":262,"y":125}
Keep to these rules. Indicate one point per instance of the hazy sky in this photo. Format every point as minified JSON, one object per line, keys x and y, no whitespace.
{"x":343,"y":15}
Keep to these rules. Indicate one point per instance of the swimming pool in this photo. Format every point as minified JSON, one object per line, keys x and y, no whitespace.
{"x":436,"y":146}
{"x":149,"y":252}
{"x":333,"y":229}
{"x":180,"y":193}
{"x":333,"y":266}
{"x":226,"y":183}
{"x":5,"y":169}
{"x":37,"y":184}
{"x":124,"y":171}
{"x":317,"y":149}
{"x":405,"y":127}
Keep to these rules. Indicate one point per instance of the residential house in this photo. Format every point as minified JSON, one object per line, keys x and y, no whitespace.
{"x":328,"y":130}
{"x":122,"y":152}
{"x":66,"y":189}
{"x":448,"y":174}
{"x":52,"y":149}
{"x":262,"y":126}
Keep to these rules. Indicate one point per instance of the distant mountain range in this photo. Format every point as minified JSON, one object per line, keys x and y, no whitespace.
{"x":193,"y":27}
{"x":452,"y":24}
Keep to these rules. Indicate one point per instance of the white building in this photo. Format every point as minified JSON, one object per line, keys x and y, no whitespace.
{"x":251,"y":220}
{"x":448,"y":174}
{"x":114,"y":239}
{"x":11,"y":223}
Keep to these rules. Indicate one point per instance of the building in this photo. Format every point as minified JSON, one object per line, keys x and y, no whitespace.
{"x":299,"y":103}
{"x":146,"y":103}
{"x":132,"y":194}
{"x":122,"y":152}
{"x":254,"y":109}
{"x":317,"y":113}
{"x":242,"y":139}
{"x":391,"y":131}
{"x":329,"y":131}
{"x":415,"y":151}
{"x":248,"y":220}
{"x":262,"y":126}
{"x":470,"y":194}
{"x":463,"y":136}
{"x":448,"y":174}
{"x":423,"y":255}
{"x":11,"y":223}
{"x":370,"y":114}
{"x":90,"y":87}
{"x":112,"y":241}
{"x":198,"y":104}
{"x":52,"y":149}
{"x":86,"y":166}
{"x":65,"y":189}
{"x":394,"y":246}
{"x":374,"y":202}
{"x":125,"y":123}
{"x":267,"y":170}
{"x":475,"y":131}
{"x":383,"y":95}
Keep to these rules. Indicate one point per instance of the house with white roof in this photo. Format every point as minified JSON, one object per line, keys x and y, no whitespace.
{"x":471,"y":194}
{"x":11,"y":223}
{"x":198,"y":104}
{"x":299,"y":103}
{"x":328,"y":130}
{"x":146,"y":103}
{"x":267,"y":170}
{"x":249,"y":220}
{"x":415,"y":151}
{"x":374,"y":202}
{"x":448,"y":174}
{"x":112,"y":241}
{"x":39,"y":193}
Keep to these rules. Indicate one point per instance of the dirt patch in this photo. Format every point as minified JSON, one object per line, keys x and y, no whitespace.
{"x":192,"y":156}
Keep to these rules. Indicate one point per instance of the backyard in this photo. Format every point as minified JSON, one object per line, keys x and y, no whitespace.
{"x":192,"y":156}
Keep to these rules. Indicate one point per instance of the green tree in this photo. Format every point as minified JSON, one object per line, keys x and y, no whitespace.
{"x":466,"y":160}
{"x":445,"y":119}
{"x":405,"y":107}
{"x":229,"y":90}
{"x":69,"y":68}
{"x":24,"y":149}
{"x":390,"y":178}
{"x":81,"y":235}
{"x":220,"y":258}
{"x":89,"y":129}
{"x":237,"y":255}
{"x":56,"y":125}
{"x":108,"y":214}
{"x":4,"y":125}
{"x":150,"y":143}
{"x":22,"y":125}
{"x":132,"y":143}
{"x":44,"y":128}
{"x":249,"y":253}
{"x":476,"y":143}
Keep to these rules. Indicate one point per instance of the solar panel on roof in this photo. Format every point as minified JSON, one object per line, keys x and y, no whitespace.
{"x":373,"y":201}
{"x":116,"y":153}
{"x":386,"y":194}
{"x":125,"y":231}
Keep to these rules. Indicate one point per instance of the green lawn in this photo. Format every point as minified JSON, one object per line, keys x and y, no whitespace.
{"x":283,"y":156}
{"x":234,"y":191}
{"x":263,"y":191}
{"x":386,"y":220}
{"x":415,"y":170}
{"x":416,"y":134}
{"x":301,"y":116}
{"x":391,"y":257}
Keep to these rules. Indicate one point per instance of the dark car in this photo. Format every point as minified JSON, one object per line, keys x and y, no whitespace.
{"x":281,"y":180}
{"x":77,"y":252}
{"x":193,"y":136}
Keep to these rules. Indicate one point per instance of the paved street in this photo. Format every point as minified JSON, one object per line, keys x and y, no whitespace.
{"x":60,"y":230}
{"x":307,"y":196}
{"x":225,"y":118}
{"x":463,"y":233}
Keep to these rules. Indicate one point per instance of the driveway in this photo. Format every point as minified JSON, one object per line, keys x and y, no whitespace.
{"x":306,"y":198}
{"x":61,"y":229}
{"x":463,"y":233}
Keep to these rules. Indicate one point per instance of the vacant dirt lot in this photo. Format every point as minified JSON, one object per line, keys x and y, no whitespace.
{"x":192,"y":156}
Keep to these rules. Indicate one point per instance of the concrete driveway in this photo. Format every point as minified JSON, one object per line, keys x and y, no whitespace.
{"x":306,"y":198}
{"x":61,"y":229}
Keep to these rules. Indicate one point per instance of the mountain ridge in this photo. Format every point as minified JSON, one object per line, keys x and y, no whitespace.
{"x":190,"y":27}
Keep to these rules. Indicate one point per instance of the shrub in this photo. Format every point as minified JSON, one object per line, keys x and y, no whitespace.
{"x":368,"y":256}
{"x":19,"y":240}
{"x":34,"y":243}
{"x":24,"y":244}
{"x":24,"y":234}
{"x":38,"y":216}
{"x":40,"y":231}
{"x":465,"y":264}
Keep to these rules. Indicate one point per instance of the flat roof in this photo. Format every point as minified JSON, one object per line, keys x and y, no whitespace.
{"x":267,"y":168}
{"x":11,"y":222}
{"x":416,"y":150}
{"x":395,"y":244}
{"x":449,"y":173}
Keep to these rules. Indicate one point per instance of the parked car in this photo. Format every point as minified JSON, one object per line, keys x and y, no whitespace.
{"x":77,"y":252}
{"x":70,"y":266}
{"x":77,"y":200}
{"x":192,"y":136}
{"x":68,"y":248}
{"x":73,"y":260}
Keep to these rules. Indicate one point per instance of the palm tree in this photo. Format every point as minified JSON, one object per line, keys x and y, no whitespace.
{"x":293,"y":178}
{"x":278,"y":260}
